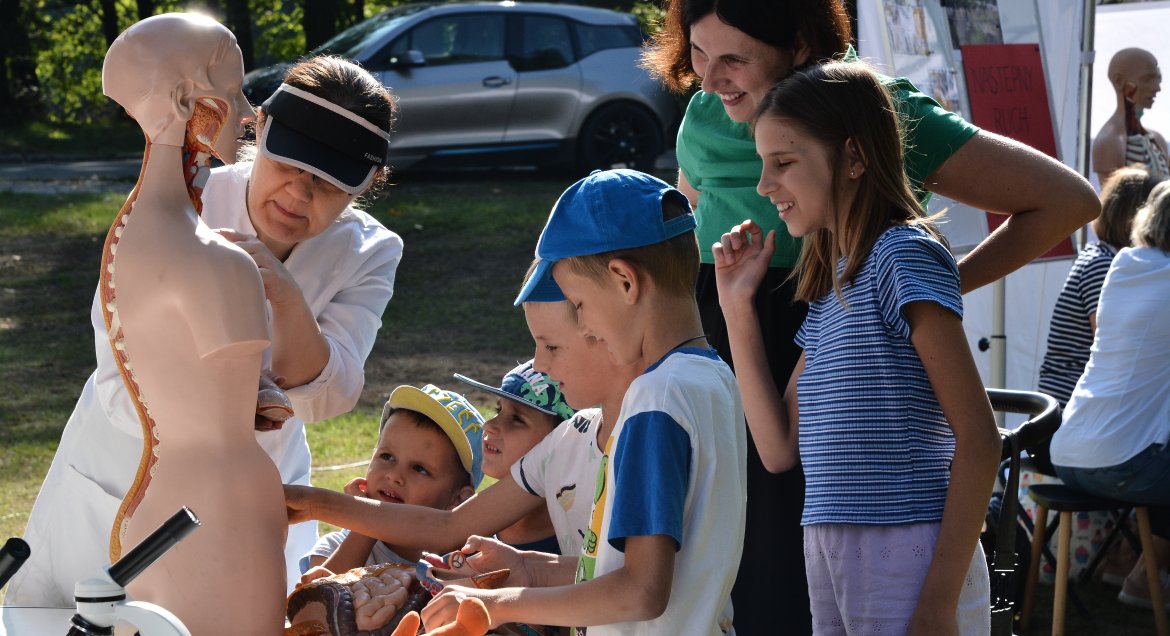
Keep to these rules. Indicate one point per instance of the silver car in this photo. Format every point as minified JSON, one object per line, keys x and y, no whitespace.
{"x":508,"y":84}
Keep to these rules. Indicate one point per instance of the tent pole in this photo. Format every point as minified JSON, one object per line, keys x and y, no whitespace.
{"x":998,"y":341}
{"x":1084,"y":134}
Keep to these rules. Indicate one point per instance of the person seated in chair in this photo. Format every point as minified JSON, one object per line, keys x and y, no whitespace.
{"x":1114,"y":439}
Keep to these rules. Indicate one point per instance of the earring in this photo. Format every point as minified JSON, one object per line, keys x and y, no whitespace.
{"x":851,"y":174}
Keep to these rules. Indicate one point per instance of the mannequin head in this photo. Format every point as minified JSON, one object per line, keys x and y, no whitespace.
{"x":1135,"y":76}
{"x":172,"y":68}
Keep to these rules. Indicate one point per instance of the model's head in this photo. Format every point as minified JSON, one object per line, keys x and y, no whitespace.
{"x":1123,"y":193}
{"x":1135,"y":75}
{"x":1151,"y":226}
{"x":175,"y":68}
{"x":744,"y":46}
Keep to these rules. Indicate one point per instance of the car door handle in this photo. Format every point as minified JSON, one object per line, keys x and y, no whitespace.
{"x":496,"y":81}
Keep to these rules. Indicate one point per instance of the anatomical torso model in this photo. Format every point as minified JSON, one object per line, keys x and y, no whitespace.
{"x":187,"y":319}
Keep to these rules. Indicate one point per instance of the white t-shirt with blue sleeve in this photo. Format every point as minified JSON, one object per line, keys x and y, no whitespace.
{"x":677,"y":468}
{"x":875,"y":445}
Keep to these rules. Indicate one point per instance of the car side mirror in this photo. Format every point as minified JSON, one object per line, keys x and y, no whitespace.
{"x":411,"y":59}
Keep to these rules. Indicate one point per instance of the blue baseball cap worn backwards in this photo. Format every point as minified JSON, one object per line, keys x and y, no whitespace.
{"x":608,"y":210}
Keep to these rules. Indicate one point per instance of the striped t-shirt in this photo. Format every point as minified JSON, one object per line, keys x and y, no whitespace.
{"x":874,"y":443}
{"x":1070,"y":336}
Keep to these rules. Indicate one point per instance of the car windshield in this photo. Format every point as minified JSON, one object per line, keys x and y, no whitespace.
{"x":355,"y":39}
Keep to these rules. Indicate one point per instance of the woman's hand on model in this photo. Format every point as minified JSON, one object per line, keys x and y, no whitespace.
{"x":299,"y":348}
{"x":279,"y":286}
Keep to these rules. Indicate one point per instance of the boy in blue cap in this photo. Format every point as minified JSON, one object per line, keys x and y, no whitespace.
{"x":666,"y":533}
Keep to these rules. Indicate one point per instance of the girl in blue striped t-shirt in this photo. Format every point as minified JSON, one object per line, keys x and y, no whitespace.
{"x":896,"y":436}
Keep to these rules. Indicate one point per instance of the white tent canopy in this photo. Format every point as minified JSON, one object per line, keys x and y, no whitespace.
{"x":1057,"y":25}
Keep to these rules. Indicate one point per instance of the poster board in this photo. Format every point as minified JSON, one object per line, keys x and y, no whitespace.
{"x":1008,"y":95}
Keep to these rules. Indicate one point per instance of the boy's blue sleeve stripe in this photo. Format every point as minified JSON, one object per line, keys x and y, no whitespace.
{"x":651,"y":467}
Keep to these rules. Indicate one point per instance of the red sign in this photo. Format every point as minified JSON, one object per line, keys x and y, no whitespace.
{"x":1009,"y":96}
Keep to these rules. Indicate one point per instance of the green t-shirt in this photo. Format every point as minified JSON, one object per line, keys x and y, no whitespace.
{"x":718,"y":158}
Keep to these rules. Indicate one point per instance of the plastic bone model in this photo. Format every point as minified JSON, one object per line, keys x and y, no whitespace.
{"x":186,"y":317}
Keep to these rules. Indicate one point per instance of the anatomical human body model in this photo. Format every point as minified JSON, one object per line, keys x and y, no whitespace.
{"x":187,"y":321}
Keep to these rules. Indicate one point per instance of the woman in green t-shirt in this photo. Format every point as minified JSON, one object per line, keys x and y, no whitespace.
{"x":737,"y":50}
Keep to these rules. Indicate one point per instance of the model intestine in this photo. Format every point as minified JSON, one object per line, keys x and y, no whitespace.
{"x":369,"y":601}
{"x":187,"y":321}
{"x":384,"y":600}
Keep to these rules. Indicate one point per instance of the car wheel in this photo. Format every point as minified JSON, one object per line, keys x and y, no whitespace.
{"x":621,"y":135}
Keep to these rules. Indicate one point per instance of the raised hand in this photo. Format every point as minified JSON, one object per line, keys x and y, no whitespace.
{"x":741,"y":260}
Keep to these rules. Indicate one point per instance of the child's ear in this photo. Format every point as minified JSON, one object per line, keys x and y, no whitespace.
{"x":854,"y":159}
{"x":463,"y":494}
{"x":623,"y":274}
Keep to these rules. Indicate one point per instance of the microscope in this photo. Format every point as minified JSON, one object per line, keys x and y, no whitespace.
{"x":101,"y":601}
{"x":13,"y":555}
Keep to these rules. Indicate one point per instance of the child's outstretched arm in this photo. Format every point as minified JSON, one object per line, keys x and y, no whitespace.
{"x":937,"y":335}
{"x":487,"y":512}
{"x":637,"y":591}
{"x":741,"y":260}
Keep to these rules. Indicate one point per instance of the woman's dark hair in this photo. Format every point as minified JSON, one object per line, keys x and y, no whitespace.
{"x":348,"y":85}
{"x":822,"y":24}
{"x":839,"y":104}
{"x":1124,"y":192}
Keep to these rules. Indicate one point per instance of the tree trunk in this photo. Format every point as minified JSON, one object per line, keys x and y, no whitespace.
{"x":320,"y":21}
{"x":239,"y":20}
{"x":145,"y":9}
{"x":19,"y":87}
{"x":109,"y":21}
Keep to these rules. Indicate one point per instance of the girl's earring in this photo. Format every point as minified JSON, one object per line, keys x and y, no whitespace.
{"x":852,"y":174}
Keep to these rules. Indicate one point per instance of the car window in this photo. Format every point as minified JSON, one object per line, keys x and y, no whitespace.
{"x":455,"y":39}
{"x":544,"y":44}
{"x":352,"y":41}
{"x":592,"y":38}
